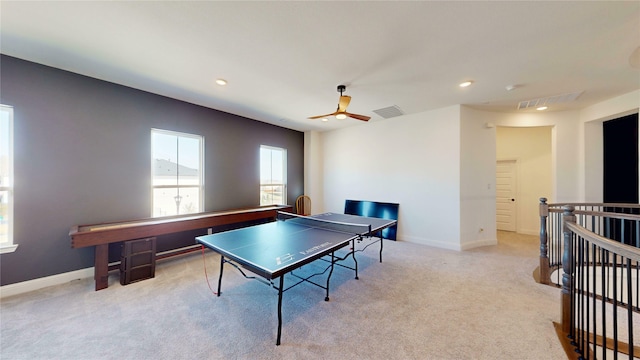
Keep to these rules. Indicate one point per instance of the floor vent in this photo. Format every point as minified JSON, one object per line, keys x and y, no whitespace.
{"x":389,"y":112}
{"x":547,"y":101}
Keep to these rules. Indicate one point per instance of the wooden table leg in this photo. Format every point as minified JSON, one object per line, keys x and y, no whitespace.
{"x":101,"y":274}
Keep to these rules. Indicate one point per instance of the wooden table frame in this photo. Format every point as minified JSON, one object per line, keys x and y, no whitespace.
{"x":101,"y":235}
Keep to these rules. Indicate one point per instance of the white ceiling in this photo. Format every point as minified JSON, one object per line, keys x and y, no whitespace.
{"x":284,"y":60}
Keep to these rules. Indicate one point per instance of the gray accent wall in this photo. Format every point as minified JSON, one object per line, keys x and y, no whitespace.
{"x":82,"y":156}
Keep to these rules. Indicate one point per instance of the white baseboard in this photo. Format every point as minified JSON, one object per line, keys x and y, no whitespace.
{"x":479,"y":243}
{"x":448,"y":245}
{"x":429,"y":242}
{"x":40,"y":283}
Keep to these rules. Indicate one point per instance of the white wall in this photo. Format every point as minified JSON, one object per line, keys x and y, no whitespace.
{"x":558,"y":180}
{"x":564,"y":146}
{"x":591,"y":185}
{"x":477,"y":181}
{"x":590,"y":149}
{"x":412,"y":160}
{"x":438,"y":164}
{"x":313,"y":162}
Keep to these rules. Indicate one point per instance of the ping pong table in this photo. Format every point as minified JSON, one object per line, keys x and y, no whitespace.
{"x":275,"y":249}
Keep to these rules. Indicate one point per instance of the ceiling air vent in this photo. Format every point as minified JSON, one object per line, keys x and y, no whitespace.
{"x":389,"y":112}
{"x":546,"y":101}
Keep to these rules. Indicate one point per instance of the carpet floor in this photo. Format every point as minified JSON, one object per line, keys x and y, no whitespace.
{"x":419,"y":303}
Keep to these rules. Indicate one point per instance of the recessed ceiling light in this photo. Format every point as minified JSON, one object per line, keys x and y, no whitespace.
{"x":325,"y":119}
{"x":221,"y":82}
{"x":466,"y":83}
{"x":541,"y":108}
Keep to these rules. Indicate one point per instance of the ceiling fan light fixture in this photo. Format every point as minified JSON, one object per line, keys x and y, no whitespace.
{"x":341,"y":111}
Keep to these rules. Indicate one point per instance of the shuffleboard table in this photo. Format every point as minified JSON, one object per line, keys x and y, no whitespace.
{"x":101,"y":235}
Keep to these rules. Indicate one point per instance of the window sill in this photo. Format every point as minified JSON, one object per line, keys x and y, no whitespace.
{"x":5,"y":249}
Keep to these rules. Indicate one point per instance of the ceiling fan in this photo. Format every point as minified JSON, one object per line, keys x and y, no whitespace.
{"x":341,"y":112}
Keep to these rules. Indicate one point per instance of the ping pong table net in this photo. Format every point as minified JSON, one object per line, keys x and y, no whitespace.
{"x":347,"y":228}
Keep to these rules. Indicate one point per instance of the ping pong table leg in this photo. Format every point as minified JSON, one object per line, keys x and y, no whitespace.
{"x":220,"y":277}
{"x":353,"y":255}
{"x":380,"y":233}
{"x":280,"y":309}
{"x":329,"y":277}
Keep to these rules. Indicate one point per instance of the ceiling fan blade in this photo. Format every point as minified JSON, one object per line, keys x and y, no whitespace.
{"x":343,"y":103}
{"x":322,"y":116}
{"x":358,"y":117}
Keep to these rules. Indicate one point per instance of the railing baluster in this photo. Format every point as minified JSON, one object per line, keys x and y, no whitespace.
{"x":558,"y":244}
{"x":592,"y":270}
{"x":579,"y":239}
{"x":637,"y":233}
{"x":567,"y":275}
{"x":584,"y":305}
{"x":604,"y":285}
{"x":637,"y":307}
{"x":629,"y":309}
{"x":615,"y":304}
{"x":544,"y":241}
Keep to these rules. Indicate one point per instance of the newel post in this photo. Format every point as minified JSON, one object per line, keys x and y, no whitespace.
{"x":544,"y":241}
{"x":567,"y":267}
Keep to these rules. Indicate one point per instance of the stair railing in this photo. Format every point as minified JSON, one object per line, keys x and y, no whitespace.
{"x":624,"y":230}
{"x":590,"y":251}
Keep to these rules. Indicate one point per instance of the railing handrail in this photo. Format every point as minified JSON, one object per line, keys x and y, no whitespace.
{"x":583,"y":247}
{"x":630,"y":252}
{"x":556,"y":205}
{"x":607,"y":214}
{"x":550,"y":228}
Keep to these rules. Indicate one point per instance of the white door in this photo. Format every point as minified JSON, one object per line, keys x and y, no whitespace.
{"x":506,"y":195}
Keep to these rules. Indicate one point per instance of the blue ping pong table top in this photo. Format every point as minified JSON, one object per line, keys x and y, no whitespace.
{"x":272,"y":249}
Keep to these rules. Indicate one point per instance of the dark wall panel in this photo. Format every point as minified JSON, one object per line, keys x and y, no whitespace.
{"x":82,"y":156}
{"x":620,"y":146}
{"x":620,"y":165}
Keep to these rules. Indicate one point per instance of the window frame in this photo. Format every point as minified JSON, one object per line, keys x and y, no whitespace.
{"x":201,"y":184}
{"x":9,"y":245}
{"x":284,"y":174}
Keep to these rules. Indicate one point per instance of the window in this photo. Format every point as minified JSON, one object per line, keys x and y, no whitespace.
{"x":6,"y":179}
{"x":273,"y":175}
{"x":177,"y":173}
